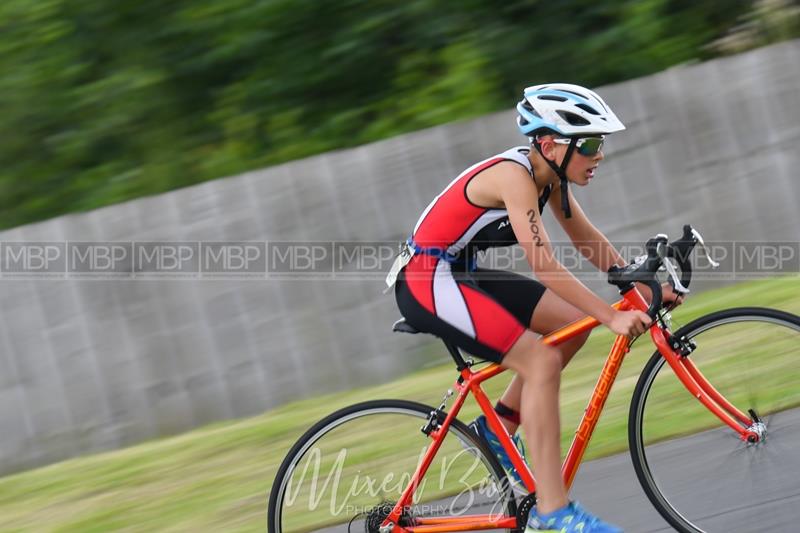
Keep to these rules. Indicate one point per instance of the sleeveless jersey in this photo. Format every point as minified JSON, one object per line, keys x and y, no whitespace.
{"x":452,"y":222}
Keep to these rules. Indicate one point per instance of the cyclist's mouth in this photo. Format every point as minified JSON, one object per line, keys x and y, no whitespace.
{"x":590,"y":172}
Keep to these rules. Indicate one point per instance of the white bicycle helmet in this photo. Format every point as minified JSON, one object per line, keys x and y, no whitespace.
{"x":566,"y":110}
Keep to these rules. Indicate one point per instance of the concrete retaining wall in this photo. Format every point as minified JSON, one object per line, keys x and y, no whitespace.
{"x":88,"y":365}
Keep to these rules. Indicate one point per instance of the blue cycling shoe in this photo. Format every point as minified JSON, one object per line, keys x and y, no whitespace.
{"x":483,"y":430}
{"x":569,"y":519}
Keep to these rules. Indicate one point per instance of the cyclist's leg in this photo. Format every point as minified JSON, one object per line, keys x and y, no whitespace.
{"x":520,"y":295}
{"x":542,"y":310}
{"x":552,"y":313}
{"x":461,"y":311}
{"x":539,"y":367}
{"x":535,"y":388}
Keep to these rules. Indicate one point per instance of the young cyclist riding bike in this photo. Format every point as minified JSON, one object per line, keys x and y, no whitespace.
{"x":499,"y":315}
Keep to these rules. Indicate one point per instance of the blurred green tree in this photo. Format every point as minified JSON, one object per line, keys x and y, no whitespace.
{"x":103,"y":102}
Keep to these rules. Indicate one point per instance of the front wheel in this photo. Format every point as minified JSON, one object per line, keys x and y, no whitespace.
{"x":696,"y":471}
{"x":348,"y":470}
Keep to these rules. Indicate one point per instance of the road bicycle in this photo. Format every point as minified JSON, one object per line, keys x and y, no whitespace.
{"x":710,"y":426}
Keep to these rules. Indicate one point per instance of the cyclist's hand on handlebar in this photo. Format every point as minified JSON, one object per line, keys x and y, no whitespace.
{"x":629,"y":323}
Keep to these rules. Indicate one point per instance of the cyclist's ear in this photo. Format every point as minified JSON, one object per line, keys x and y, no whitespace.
{"x":547,"y":145}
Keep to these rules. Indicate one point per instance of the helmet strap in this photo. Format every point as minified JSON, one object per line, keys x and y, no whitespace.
{"x":561,"y":172}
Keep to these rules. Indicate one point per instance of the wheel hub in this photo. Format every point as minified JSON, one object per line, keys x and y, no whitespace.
{"x":760,"y":430}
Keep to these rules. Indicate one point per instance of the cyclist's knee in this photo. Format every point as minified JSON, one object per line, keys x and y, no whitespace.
{"x":546,"y":365}
{"x":534,"y":360}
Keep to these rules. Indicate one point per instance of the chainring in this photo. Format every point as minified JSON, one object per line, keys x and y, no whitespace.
{"x":378,"y":514}
{"x":524,"y":510}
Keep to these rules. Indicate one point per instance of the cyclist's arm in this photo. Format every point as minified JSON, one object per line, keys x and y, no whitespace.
{"x":520,"y":197}
{"x":595,"y":246}
{"x":589,"y":240}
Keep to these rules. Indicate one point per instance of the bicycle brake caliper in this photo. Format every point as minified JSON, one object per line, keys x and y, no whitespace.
{"x":437,"y":416}
{"x":683,"y":345}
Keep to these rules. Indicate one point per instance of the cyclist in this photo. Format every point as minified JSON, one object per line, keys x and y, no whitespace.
{"x":496,"y":315}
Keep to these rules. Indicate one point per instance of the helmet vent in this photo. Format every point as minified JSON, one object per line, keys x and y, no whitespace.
{"x":576,"y":94}
{"x":529,"y":108}
{"x":573,"y":119}
{"x":588,"y":109}
{"x":552,"y":97}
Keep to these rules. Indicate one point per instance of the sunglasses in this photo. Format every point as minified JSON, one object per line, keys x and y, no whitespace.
{"x":587,"y":146}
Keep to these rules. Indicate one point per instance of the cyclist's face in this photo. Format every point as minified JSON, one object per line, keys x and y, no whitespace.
{"x":581,"y":168}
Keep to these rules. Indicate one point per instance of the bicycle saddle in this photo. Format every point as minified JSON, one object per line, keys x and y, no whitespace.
{"x":402,"y":326}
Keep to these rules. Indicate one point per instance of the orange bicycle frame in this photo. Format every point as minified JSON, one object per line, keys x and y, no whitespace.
{"x":469,"y":382}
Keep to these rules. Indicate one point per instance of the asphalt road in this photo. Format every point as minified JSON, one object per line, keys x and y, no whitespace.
{"x":711,"y":477}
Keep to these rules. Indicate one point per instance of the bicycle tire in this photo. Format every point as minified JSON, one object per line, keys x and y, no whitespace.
{"x":773,"y":326}
{"x":338,"y":419}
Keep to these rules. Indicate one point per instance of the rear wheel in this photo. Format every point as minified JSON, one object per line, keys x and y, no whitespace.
{"x":696,"y":471}
{"x":349,"y":469}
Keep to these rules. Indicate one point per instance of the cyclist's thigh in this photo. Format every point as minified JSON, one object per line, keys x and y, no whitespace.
{"x":541,"y":309}
{"x":519,"y":294}
{"x":553,"y":313}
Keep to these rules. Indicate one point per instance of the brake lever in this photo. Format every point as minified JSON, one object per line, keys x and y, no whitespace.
{"x":706,"y":254}
{"x":676,"y":280}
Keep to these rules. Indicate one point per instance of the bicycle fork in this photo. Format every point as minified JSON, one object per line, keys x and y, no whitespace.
{"x":676,"y":354}
{"x":749,"y":427}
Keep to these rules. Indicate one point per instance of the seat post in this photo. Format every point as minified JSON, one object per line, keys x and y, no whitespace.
{"x":456,"y":355}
